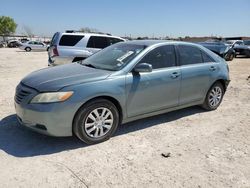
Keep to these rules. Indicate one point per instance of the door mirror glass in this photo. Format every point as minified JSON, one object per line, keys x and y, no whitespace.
{"x":143,"y":67}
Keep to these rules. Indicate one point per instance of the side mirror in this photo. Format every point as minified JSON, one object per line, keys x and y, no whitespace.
{"x":143,"y":67}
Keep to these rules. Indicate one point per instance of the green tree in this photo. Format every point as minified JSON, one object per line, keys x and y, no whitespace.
{"x":7,"y":25}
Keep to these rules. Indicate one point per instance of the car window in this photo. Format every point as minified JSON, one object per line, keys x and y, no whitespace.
{"x":31,"y":43}
{"x":161,"y":57}
{"x":239,"y":43}
{"x":97,"y":42}
{"x":247,"y":42}
{"x":189,"y":55}
{"x":70,"y":40}
{"x":114,"y":40}
{"x":114,"y":57}
{"x":206,"y":57}
{"x":54,"y":39}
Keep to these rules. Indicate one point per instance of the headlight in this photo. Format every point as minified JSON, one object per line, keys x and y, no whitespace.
{"x":52,"y":97}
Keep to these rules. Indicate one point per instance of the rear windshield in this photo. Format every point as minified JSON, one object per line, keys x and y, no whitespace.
{"x":54,"y":39}
{"x":70,"y":40}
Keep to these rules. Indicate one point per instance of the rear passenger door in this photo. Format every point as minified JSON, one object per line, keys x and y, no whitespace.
{"x":197,"y":68}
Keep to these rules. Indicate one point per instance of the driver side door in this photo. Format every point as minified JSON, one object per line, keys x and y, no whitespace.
{"x":156,"y":90}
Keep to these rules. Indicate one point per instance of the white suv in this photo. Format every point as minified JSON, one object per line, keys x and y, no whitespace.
{"x":72,"y":47}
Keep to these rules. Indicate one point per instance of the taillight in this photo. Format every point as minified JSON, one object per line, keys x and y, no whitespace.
{"x":55,"y":51}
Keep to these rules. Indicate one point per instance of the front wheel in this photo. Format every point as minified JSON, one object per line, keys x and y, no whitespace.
{"x":214,"y":97}
{"x":96,"y":121}
{"x":27,"y":49}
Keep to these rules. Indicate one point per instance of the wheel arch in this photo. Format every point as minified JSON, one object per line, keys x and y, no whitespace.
{"x":223,"y":82}
{"x":109,"y":98}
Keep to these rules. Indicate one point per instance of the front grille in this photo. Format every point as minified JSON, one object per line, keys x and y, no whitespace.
{"x":22,"y":93}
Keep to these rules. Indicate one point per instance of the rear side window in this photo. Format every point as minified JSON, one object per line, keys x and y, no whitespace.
{"x":161,"y":57}
{"x":70,"y":40}
{"x":114,"y":40}
{"x":97,"y":42}
{"x":189,"y":55}
{"x":206,"y":57}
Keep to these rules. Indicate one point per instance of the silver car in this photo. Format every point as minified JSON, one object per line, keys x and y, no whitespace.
{"x":122,"y":83}
{"x":33,"y":45}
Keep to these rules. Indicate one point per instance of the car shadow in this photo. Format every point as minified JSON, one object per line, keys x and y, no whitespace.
{"x":23,"y":51}
{"x":19,"y":141}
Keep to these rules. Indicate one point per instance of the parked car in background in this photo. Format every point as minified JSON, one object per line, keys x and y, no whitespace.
{"x":13,"y":43}
{"x":24,"y":40}
{"x":33,"y":45}
{"x":72,"y":47}
{"x":240,"y":47}
{"x":220,"y":48}
{"x":121,"y":83}
{"x":246,"y":42}
{"x":3,"y":44}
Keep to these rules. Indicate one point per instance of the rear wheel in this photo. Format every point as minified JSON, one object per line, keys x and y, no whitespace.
{"x":214,"y":97}
{"x":231,"y":57}
{"x":96,"y":121}
{"x":27,"y":49}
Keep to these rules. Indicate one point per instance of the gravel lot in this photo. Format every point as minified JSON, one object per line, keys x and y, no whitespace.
{"x":207,"y":149}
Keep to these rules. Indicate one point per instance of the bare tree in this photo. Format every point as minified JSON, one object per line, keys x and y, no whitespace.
{"x":28,"y":31}
{"x":89,"y":30}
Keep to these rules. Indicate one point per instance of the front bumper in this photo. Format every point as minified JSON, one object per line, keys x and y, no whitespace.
{"x":48,"y":119}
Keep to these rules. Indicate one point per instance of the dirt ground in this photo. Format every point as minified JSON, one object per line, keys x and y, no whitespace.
{"x":205,"y":149}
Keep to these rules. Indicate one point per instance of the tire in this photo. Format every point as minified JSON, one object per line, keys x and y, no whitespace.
{"x":214,"y":97}
{"x":231,"y":57}
{"x":27,"y":49}
{"x":93,"y":129}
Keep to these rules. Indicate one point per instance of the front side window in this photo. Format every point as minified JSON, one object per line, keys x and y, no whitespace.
{"x":161,"y":57}
{"x":97,"y":42}
{"x":189,"y":55}
{"x":114,"y":40}
{"x":114,"y":57}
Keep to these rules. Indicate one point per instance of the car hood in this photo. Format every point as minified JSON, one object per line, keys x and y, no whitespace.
{"x":55,"y":78}
{"x":215,"y":47}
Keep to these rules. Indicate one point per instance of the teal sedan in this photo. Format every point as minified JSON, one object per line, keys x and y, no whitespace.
{"x":122,"y":83}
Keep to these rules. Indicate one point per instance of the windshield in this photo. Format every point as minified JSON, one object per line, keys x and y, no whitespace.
{"x":114,"y":57}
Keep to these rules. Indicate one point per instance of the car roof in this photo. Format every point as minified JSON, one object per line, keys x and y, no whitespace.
{"x":90,"y":34}
{"x":155,"y":42}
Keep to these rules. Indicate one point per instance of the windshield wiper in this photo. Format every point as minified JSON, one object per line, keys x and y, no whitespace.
{"x":89,"y":65}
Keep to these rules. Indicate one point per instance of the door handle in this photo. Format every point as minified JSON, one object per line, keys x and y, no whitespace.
{"x":175,"y":75}
{"x":212,"y":68}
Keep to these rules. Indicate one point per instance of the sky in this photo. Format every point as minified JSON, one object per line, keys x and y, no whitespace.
{"x":153,"y":18}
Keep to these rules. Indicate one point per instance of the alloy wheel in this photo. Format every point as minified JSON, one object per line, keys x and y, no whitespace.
{"x":98,"y":122}
{"x":215,"y":96}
